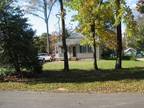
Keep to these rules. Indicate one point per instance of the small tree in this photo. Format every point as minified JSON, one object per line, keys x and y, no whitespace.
{"x":121,"y":13}
{"x":92,"y":16}
{"x":16,"y":41}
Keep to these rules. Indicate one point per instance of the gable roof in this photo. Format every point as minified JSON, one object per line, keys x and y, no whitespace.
{"x":75,"y":36}
{"x":73,"y":39}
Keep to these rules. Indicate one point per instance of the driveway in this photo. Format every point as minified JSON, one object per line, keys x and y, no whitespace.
{"x":140,"y":59}
{"x":21,"y":99}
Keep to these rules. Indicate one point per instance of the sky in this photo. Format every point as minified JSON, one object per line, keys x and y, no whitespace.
{"x":54,"y":22}
{"x":40,"y":27}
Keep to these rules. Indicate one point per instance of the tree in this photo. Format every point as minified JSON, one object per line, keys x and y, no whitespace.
{"x":46,"y":7}
{"x":122,"y":13}
{"x":40,"y":43}
{"x":93,"y":16}
{"x":5,"y":3}
{"x":53,"y":40}
{"x":140,"y":6}
{"x":41,"y":9}
{"x":119,"y":36}
{"x":66,"y":63}
{"x":16,"y":41}
{"x":137,"y":42}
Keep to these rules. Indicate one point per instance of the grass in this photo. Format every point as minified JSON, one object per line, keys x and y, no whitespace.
{"x":99,"y":87}
{"x":88,"y":65}
{"x":83,"y":78}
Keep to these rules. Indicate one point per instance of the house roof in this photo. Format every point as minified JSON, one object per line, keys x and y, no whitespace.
{"x":129,"y":49}
{"x":76,"y":36}
{"x":73,"y":39}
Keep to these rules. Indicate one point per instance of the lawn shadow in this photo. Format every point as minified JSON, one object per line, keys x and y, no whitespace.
{"x":84,"y":76}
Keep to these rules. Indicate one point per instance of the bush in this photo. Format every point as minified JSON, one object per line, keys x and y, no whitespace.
{"x":129,"y":57}
{"x":37,"y":68}
{"x":16,"y":42}
{"x":123,"y":58}
{"x":4,"y":71}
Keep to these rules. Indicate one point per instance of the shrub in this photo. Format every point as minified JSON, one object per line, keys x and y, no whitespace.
{"x":16,"y":42}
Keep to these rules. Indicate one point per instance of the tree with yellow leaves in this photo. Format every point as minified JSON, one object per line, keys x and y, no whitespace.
{"x":94,"y":17}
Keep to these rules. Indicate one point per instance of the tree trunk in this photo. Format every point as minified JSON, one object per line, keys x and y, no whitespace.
{"x":119,"y":48}
{"x":94,"y":46}
{"x":17,"y":65}
{"x":47,"y":27}
{"x":17,"y":68}
{"x":66,"y":64}
{"x":48,"y":40}
{"x":119,"y":42}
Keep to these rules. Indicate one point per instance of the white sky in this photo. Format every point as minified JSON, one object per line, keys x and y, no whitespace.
{"x":39,"y":25}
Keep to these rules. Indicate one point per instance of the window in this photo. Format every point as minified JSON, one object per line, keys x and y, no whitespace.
{"x":90,"y":49}
{"x":83,"y":49}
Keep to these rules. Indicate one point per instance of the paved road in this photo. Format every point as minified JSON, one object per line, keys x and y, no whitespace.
{"x":17,"y":99}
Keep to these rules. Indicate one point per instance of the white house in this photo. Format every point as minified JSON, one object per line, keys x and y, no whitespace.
{"x":75,"y":50}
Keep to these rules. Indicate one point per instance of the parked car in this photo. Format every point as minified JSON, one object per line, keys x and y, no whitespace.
{"x":130,"y":52}
{"x":140,"y":54}
{"x":133,"y":52}
{"x":44,"y":57}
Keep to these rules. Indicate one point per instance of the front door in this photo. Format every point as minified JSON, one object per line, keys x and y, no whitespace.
{"x":74,"y":51}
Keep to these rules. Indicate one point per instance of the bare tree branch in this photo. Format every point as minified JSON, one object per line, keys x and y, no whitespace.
{"x":34,"y":14}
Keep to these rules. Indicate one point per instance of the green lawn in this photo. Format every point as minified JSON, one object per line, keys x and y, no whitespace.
{"x":83,"y":78}
{"x":88,"y":65}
